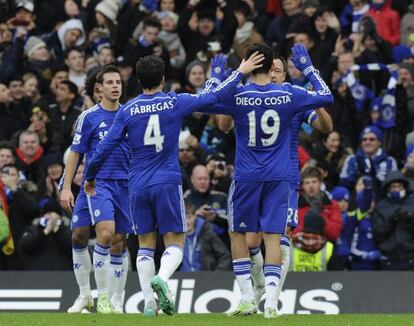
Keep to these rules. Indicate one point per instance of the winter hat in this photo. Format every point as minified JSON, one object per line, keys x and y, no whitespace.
{"x":27,"y":5}
{"x":372,"y":129}
{"x":408,"y":151}
{"x":401,"y":52}
{"x":68,"y":25}
{"x":32,"y":44}
{"x":191,"y":65}
{"x":98,"y":44}
{"x":108,"y":8}
{"x":169,"y":14}
{"x":340,"y":193}
{"x":206,"y":14}
{"x":313,"y":223}
{"x":407,"y":66}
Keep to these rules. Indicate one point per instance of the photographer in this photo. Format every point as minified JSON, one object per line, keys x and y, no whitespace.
{"x":393,"y":224}
{"x":46,"y":244}
{"x":220,"y":173}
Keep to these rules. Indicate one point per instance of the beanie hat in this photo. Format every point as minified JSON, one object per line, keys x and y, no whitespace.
{"x":169,"y":14}
{"x":401,"y":52}
{"x":206,"y":14}
{"x":32,"y":44}
{"x":100,"y":43}
{"x":407,"y":66}
{"x":340,"y":193}
{"x":191,"y":65}
{"x":108,"y":8}
{"x":372,"y":129}
{"x":313,"y":223}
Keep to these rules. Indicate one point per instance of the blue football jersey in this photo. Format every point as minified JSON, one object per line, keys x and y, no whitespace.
{"x":91,"y":127}
{"x":309,"y":117}
{"x":153,"y":123}
{"x":262,"y":115}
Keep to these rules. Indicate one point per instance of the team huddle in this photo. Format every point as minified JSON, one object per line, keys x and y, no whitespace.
{"x":133,"y":178}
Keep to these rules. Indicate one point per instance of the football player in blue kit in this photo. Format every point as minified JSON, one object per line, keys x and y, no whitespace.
{"x":259,"y":195}
{"x":153,"y":121}
{"x":109,"y":211}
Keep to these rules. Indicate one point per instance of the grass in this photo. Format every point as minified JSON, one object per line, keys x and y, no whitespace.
{"x":52,"y":319}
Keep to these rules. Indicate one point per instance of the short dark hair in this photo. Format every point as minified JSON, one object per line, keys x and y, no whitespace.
{"x":15,"y":78}
{"x":6,"y":145}
{"x":73,"y":48}
{"x":151,"y":22}
{"x":312,"y":172}
{"x":150,"y":71}
{"x":58,"y":68}
{"x":105,"y":70}
{"x":243,"y":7}
{"x":267,"y":51}
{"x":278,"y":56}
{"x":90,"y":82}
{"x":190,"y":208}
{"x":10,"y":166}
{"x":72,"y":86}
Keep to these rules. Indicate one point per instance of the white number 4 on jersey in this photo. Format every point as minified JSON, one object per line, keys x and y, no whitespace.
{"x":153,"y":133}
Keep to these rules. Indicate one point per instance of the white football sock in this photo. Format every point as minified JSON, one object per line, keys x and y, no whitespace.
{"x":82,"y":268}
{"x":285,"y":250}
{"x":272,"y":275}
{"x":146,"y":271}
{"x":257,"y":267}
{"x":242,"y":269}
{"x":170,"y":260}
{"x":102,"y":268}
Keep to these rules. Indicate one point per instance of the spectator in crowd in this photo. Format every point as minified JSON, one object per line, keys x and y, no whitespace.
{"x":246,"y":34}
{"x":314,"y":199}
{"x":407,"y":27}
{"x":104,"y":55}
{"x":38,"y":57}
{"x":29,"y":156}
{"x":75,"y":60}
{"x":393,"y":224}
{"x":9,"y":120}
{"x":405,"y":93}
{"x":210,"y":204}
{"x":106,"y":13}
{"x":408,"y":169}
{"x":220,"y":172}
{"x":311,"y":251}
{"x":364,"y":251}
{"x":203,"y":250}
{"x":63,"y":113}
{"x":70,"y":34}
{"x":22,"y":205}
{"x":352,"y":14}
{"x":386,"y":19}
{"x":58,"y":74}
{"x":21,"y":105}
{"x":326,"y":26}
{"x":333,"y":152}
{"x":6,"y":154}
{"x":369,"y":160}
{"x":46,"y":244}
{"x":40,"y":123}
{"x":31,"y":87}
{"x":214,"y":140}
{"x":49,"y":187}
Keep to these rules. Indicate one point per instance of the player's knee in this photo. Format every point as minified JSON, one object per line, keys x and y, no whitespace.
{"x":105,"y":236}
{"x":80,"y":237}
{"x":118,"y":244}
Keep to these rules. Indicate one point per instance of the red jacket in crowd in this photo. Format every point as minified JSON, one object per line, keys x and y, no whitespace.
{"x":388,"y":23}
{"x":331,"y":213}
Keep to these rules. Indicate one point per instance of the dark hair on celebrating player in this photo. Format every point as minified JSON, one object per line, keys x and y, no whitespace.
{"x":151,"y":22}
{"x":72,"y":86}
{"x":150,"y":71}
{"x":278,"y":56}
{"x":312,"y":172}
{"x":267,"y":51}
{"x":90,"y":82}
{"x":106,"y":70}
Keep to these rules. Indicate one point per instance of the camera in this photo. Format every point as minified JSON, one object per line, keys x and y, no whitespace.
{"x":221,"y":165}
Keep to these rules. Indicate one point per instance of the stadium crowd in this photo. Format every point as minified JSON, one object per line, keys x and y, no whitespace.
{"x":356,"y":211}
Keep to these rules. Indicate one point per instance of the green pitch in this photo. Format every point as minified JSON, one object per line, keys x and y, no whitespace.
{"x":52,"y":319}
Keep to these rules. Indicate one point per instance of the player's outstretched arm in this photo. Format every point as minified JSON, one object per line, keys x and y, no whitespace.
{"x":324,"y":122}
{"x":105,"y":147}
{"x":321,"y":96}
{"x":67,"y":200}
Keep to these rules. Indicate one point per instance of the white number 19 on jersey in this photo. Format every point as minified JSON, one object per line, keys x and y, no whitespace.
{"x":153,"y":133}
{"x":271,"y":130}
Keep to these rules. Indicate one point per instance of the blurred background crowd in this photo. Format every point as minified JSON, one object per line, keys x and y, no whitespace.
{"x":356,"y":211}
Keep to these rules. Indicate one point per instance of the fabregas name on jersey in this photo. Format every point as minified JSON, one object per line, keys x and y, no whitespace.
{"x":151,"y":108}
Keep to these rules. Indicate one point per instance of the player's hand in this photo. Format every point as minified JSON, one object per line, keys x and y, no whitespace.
{"x":67,"y":201}
{"x":301,"y":59}
{"x":374,"y":255}
{"x":254,"y":62}
{"x":218,"y":70}
{"x":89,"y":187}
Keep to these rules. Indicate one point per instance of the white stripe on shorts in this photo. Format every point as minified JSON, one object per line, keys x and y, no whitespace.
{"x":230,"y":213}
{"x":88,"y":199}
{"x":182,"y":208}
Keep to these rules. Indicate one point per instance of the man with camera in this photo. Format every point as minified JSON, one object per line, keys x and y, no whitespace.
{"x":393,"y":224}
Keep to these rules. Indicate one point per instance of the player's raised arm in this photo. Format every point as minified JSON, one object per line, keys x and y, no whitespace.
{"x":303,"y":99}
{"x":106,"y":146}
{"x":211,"y":94}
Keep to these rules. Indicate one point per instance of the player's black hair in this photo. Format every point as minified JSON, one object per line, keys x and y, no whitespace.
{"x":150,"y":71}
{"x":90,"y":82}
{"x":267,"y":51}
{"x":151,"y":22}
{"x":278,"y":56}
{"x":105,"y":70}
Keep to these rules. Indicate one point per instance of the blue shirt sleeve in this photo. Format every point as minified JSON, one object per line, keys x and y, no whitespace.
{"x":189,"y":103}
{"x":83,"y":134}
{"x":106,"y":146}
